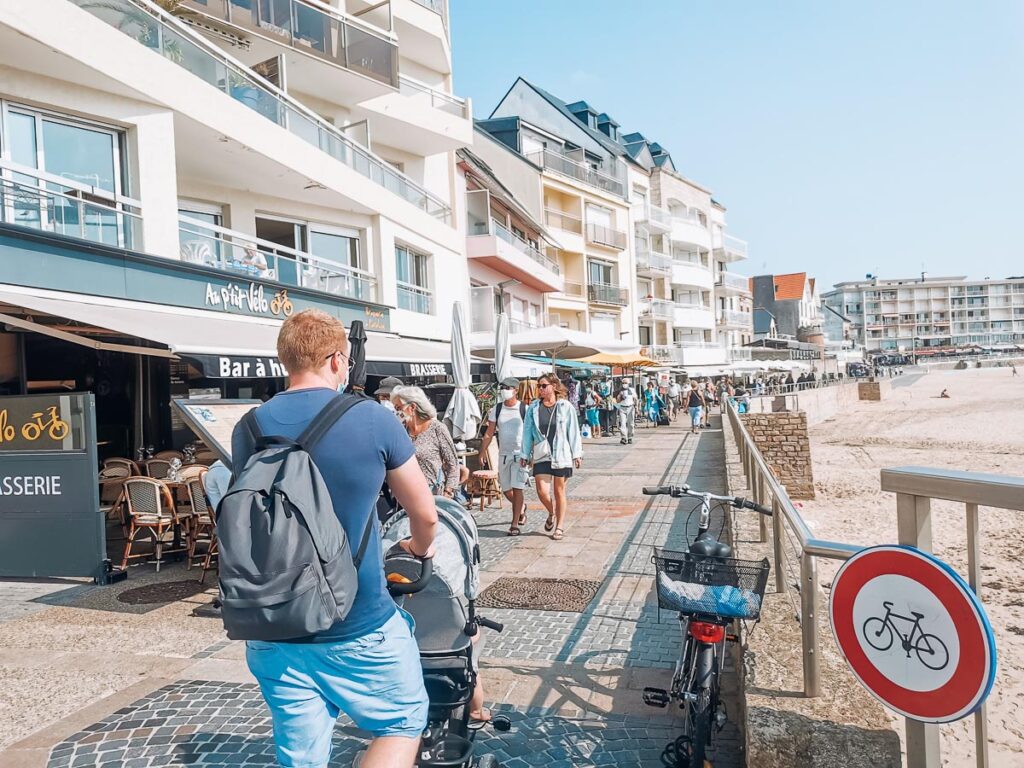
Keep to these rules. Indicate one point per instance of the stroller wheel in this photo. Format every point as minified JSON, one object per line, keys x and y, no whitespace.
{"x":488,"y":761}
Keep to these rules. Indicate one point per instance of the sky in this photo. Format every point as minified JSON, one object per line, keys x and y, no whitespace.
{"x":844,"y":138}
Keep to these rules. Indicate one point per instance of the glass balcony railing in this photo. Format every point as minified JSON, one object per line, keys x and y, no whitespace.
{"x":504,"y":233}
{"x":438,"y":99}
{"x":250,"y":258}
{"x":415,"y":299}
{"x":733,"y":317}
{"x":566,"y":166}
{"x":734,"y":281}
{"x":652,"y":261}
{"x":152,"y":27}
{"x":602,"y":293}
{"x":606,"y":236}
{"x":659,"y":309}
{"x":312,"y":28}
{"x":42,"y":201}
{"x":563,"y":220}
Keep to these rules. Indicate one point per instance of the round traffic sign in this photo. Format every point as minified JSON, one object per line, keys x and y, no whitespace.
{"x":913,"y":633}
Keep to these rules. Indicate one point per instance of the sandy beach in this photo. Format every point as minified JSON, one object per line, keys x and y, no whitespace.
{"x":979,"y":428}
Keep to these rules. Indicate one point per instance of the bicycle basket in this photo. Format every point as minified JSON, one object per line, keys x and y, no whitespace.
{"x":719,"y":586}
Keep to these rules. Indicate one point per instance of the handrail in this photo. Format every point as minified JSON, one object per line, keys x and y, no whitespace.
{"x":309,"y":271}
{"x":567,"y":166}
{"x":521,"y":245}
{"x":447,"y":100}
{"x":240,"y":83}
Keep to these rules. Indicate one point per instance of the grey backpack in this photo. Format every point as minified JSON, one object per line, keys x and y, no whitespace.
{"x":286,"y":568}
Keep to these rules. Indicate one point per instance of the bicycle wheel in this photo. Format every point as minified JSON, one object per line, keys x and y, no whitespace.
{"x":931,"y":651}
{"x":878,"y":633}
{"x":700,"y":727}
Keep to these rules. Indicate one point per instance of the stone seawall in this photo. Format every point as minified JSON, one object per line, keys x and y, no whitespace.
{"x":783,"y":441}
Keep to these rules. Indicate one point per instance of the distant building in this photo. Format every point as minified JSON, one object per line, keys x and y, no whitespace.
{"x":930,"y":313}
{"x":764,"y":325}
{"x":792,"y":301}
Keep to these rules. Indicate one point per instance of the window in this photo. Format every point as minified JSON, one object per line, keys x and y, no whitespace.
{"x":600,"y":216}
{"x":645,"y":336}
{"x":411,"y":271}
{"x":87,"y":156}
{"x":200,"y":244}
{"x":601,"y":273}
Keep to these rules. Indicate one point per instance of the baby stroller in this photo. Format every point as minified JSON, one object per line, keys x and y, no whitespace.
{"x":441,"y":596}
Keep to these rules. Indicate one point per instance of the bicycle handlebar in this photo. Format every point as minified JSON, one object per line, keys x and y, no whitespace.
{"x":678,"y":491}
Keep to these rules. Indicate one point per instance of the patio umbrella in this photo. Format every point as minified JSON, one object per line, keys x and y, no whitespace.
{"x":502,"y":350}
{"x":463,"y":413}
{"x":553,"y":341}
{"x":357,"y":354}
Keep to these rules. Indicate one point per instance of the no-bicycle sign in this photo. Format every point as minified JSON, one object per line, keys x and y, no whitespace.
{"x":914,"y":633}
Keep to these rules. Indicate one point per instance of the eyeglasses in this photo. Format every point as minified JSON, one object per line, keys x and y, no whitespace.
{"x":351,"y":362}
{"x":543,"y":386}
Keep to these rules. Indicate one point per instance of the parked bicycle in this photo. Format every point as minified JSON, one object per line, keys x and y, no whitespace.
{"x":709,"y":589}
{"x":880,"y":633}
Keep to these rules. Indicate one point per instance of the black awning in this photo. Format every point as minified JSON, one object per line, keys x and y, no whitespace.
{"x":237,"y":366}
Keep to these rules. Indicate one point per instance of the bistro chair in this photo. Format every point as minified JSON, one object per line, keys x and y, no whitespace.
{"x":111,"y":480}
{"x":204,"y":529}
{"x":192,"y":471}
{"x":484,"y":482}
{"x":205,"y":456}
{"x":157,"y":468}
{"x":151,"y":510}
{"x":168,"y":455}
{"x":117,"y":461}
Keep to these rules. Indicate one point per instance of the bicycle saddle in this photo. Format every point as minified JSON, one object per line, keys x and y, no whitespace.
{"x":707,"y":545}
{"x":917,"y":615}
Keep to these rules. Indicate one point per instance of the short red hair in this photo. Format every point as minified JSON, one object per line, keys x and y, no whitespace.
{"x":308,"y":338}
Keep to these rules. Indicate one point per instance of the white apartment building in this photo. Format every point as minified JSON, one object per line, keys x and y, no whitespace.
{"x":230,"y":162}
{"x":928,"y":313}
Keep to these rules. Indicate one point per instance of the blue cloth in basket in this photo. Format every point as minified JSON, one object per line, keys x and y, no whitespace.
{"x":728,"y":602}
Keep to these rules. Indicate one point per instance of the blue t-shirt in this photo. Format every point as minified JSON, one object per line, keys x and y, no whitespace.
{"x":352,"y":458}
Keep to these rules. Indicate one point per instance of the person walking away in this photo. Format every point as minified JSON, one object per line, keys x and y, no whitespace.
{"x":695,"y":404}
{"x":594,"y":405}
{"x":626,"y":402}
{"x":552,"y":442}
{"x":1013,"y":368}
{"x":506,"y":421}
{"x":674,"y":393}
{"x":366,"y":665}
{"x":606,"y":409}
{"x":435,"y":449}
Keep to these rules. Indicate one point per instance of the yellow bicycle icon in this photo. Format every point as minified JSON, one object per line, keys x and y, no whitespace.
{"x":281,"y":304}
{"x":55,"y":427}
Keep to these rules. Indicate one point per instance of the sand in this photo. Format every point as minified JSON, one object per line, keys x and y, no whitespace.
{"x":980,"y":428}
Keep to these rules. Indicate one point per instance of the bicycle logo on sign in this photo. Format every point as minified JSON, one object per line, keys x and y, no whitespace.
{"x":880,"y":633}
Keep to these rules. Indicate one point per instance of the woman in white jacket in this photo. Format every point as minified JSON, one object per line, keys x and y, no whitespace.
{"x":553,"y":429}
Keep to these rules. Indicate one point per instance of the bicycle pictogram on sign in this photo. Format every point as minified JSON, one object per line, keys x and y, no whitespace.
{"x":880,"y":632}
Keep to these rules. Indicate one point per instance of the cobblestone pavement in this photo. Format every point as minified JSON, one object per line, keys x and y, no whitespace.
{"x":570,"y":682}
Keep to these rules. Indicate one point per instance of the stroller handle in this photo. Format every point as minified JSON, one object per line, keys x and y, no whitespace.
{"x":411,"y":587}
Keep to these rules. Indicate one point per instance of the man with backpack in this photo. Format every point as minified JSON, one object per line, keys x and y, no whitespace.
{"x":506,"y":419}
{"x":301,"y":571}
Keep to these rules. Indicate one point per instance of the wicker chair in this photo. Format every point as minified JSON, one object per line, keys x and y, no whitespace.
{"x":157,"y":468}
{"x":205,"y":456}
{"x":168,"y":455}
{"x":111,"y":479}
{"x":150,"y":508}
{"x":204,"y":528}
{"x":117,"y":461}
{"x":192,"y":471}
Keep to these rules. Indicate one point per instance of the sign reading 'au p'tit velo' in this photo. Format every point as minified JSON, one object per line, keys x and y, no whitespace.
{"x":914,"y":633}
{"x":252,"y":298}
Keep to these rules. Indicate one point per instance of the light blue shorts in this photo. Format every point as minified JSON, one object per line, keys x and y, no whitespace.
{"x":375,"y":679}
{"x":695,"y":414}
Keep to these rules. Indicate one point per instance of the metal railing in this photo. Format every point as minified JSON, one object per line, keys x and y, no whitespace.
{"x":312,"y":28}
{"x":158,"y":30}
{"x":521,"y":245}
{"x":653,"y":214}
{"x":446,"y":102}
{"x":734,"y":245}
{"x":652,"y":261}
{"x":563,"y":220}
{"x":914,"y":487}
{"x":733,"y":281}
{"x":566,"y":166}
{"x":606,"y":236}
{"x":415,"y":299}
{"x":734,"y":317}
{"x":659,"y":309}
{"x":572,"y":288}
{"x":251,"y":258}
{"x":603,"y":293}
{"x":39,"y":200}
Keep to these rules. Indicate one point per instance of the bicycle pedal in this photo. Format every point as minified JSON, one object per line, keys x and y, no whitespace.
{"x":656,"y":697}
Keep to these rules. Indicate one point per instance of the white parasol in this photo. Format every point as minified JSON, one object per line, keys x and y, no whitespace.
{"x":502,"y":350}
{"x":463,"y":413}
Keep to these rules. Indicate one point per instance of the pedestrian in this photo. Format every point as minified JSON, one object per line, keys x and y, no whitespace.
{"x":216,"y":481}
{"x":383,"y":393}
{"x":506,"y":421}
{"x":553,"y":444}
{"x":593,"y":403}
{"x":606,"y":409}
{"x":366,"y":665}
{"x":527,"y":391}
{"x":674,"y":392}
{"x":652,"y":403}
{"x":695,"y":404}
{"x":626,"y":402}
{"x":1013,"y":368}
{"x":435,"y":449}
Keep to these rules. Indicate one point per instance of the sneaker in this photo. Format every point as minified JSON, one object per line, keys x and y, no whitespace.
{"x":623,"y":441}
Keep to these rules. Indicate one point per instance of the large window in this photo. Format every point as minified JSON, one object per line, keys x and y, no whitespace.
{"x":601,"y":273}
{"x":63,"y":175}
{"x":412,"y":274}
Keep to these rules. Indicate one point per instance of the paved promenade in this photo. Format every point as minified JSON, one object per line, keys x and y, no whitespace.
{"x":158,"y":687}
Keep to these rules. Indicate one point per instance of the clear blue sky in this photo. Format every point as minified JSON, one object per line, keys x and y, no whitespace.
{"x":881,"y":136}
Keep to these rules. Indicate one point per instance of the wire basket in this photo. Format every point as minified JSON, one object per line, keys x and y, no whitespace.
{"x":716,"y":586}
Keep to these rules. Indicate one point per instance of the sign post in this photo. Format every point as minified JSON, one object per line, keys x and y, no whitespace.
{"x":914,"y":634}
{"x":50,"y":520}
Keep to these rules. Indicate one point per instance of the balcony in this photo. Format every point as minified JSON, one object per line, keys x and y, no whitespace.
{"x":691,"y":274}
{"x":731,"y":283}
{"x":652,"y":263}
{"x":250,"y":258}
{"x":566,"y":166}
{"x":657,"y":309}
{"x":168,"y":37}
{"x":731,"y":318}
{"x":418,"y":119}
{"x":493,"y":244}
{"x":360,"y":58}
{"x":652,"y":218}
{"x":38,"y":200}
{"x":690,"y":230}
{"x":606,"y":236}
{"x":603,"y":293}
{"x":732,"y":249}
{"x":694,"y":316}
{"x":415,"y":299}
{"x":422,"y":27}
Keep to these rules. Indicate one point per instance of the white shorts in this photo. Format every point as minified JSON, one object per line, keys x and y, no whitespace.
{"x":511,"y":474}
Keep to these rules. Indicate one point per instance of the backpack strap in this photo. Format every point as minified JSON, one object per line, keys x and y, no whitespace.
{"x":357,"y":559}
{"x":326,"y":419}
